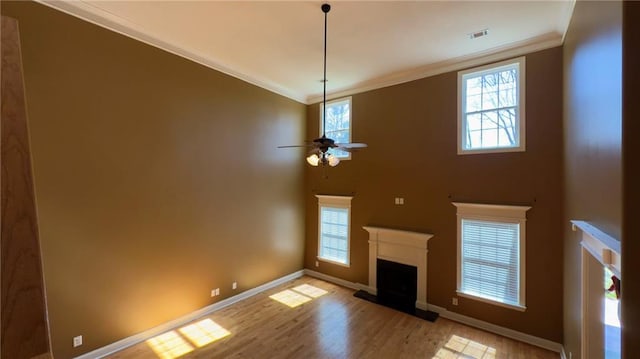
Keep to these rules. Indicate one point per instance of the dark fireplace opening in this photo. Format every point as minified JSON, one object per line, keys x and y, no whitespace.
{"x":397,"y":285}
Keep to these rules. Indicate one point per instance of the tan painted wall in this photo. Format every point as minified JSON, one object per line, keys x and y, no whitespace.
{"x":157,"y":179}
{"x":593,"y":129}
{"x":411,"y":132}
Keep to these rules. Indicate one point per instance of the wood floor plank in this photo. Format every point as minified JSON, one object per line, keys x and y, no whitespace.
{"x":335,"y":325}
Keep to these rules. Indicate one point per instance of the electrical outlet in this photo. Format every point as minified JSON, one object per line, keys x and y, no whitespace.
{"x":234,"y":285}
{"x":77,"y":341}
{"x":401,"y":200}
{"x":454,"y":301}
{"x":215,"y":292}
{"x":317,"y":264}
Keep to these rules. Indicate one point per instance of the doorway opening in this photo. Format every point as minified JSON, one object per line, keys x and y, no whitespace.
{"x":611,"y":316}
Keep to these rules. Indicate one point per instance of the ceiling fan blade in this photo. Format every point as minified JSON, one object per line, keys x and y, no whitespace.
{"x":345,"y":149}
{"x":351,"y":145}
{"x":290,"y":146}
{"x":350,"y":150}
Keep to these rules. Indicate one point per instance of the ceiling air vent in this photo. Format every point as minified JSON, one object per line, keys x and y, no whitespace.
{"x":477,"y":34}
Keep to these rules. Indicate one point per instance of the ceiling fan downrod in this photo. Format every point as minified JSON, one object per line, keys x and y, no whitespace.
{"x":320,"y":147}
{"x":325,"y":9}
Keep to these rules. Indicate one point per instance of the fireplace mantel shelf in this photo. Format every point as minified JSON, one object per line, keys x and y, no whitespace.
{"x":400,"y":237}
{"x":403,"y":247}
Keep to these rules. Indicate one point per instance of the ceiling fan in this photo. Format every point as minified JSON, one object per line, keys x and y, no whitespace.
{"x":319,"y":147}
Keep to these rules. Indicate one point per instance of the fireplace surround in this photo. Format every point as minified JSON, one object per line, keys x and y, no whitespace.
{"x":399,"y":246}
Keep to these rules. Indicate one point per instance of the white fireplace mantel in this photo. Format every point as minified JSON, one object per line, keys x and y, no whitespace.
{"x":399,"y":246}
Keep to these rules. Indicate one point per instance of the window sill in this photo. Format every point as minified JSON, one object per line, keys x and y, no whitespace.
{"x":331,"y":261}
{"x":520,"y":308}
{"x":491,"y":150}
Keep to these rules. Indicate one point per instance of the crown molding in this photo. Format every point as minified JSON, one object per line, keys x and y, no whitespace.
{"x":566,"y":20}
{"x":496,"y":54}
{"x":97,"y":16}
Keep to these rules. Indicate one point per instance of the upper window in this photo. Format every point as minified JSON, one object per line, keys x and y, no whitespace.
{"x":338,"y":124}
{"x":491,"y":108}
{"x":491,"y":253}
{"x":334,"y":228}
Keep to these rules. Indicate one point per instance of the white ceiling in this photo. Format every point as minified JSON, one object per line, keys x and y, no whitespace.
{"x":278,"y":45}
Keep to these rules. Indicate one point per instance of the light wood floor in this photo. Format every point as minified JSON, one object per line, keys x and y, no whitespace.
{"x":332,"y":325}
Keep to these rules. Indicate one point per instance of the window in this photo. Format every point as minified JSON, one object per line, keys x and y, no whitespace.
{"x":338,"y":124}
{"x":491,"y":253}
{"x":491,"y":108}
{"x":334,"y":228}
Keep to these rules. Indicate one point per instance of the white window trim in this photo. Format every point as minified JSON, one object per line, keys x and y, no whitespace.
{"x":521,"y":94}
{"x":497,"y":213}
{"x":336,"y":202}
{"x":342,"y":99}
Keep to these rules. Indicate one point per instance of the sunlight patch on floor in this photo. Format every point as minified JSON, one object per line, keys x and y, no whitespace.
{"x":172,"y":344}
{"x":310,"y":291}
{"x":299,"y":295}
{"x":290,"y":298}
{"x":204,"y":332}
{"x":169,"y":345}
{"x":459,"y":347}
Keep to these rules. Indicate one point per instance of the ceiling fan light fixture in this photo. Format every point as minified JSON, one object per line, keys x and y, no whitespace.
{"x":313,"y":160}
{"x":333,"y":160}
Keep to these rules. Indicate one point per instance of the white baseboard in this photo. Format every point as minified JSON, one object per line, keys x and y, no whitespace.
{"x":472,"y":322}
{"x":328,"y":278}
{"x":148,"y":334}
{"x":493,"y":328}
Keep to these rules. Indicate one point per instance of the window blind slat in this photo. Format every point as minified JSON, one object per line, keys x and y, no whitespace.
{"x":334,"y":234}
{"x":490,"y":260}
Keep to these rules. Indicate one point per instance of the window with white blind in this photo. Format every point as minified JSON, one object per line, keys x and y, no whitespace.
{"x":491,"y":116}
{"x":338,"y":124}
{"x":491,"y":253}
{"x":334,"y":225}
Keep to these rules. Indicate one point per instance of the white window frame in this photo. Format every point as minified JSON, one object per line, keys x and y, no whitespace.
{"x":329,"y":103}
{"x":520,"y":94}
{"x":342,"y":202}
{"x":500,"y":214}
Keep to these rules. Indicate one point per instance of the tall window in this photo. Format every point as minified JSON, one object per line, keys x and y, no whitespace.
{"x":334,"y":228}
{"x":491,"y":108}
{"x":491,"y":253}
{"x":338,"y":124}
